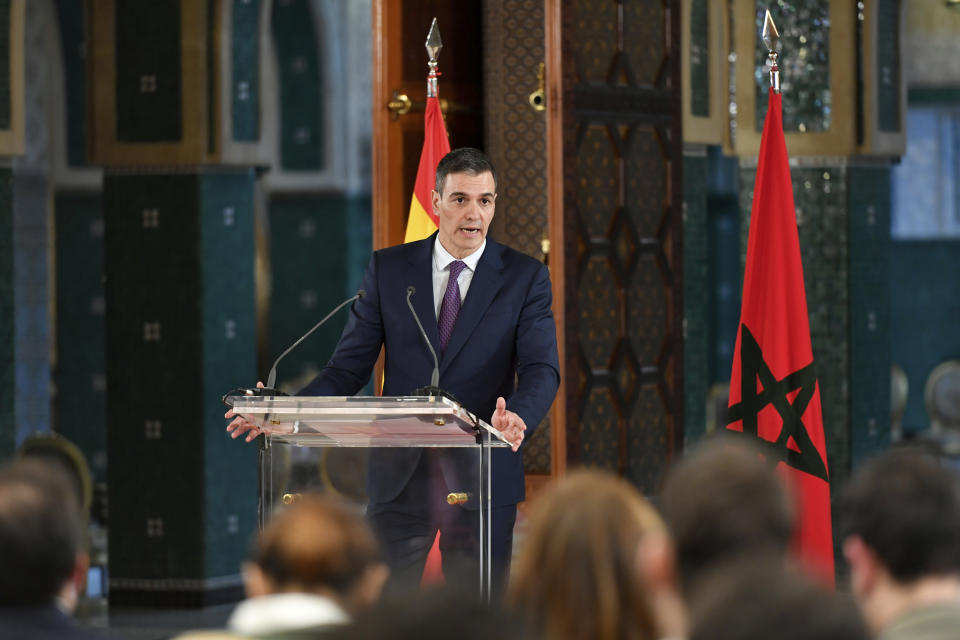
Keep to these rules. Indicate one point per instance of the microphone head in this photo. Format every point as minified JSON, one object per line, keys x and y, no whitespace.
{"x":411,"y":290}
{"x":361,"y":293}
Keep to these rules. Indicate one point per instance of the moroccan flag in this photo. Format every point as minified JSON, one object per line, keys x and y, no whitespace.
{"x":422,"y":222}
{"x":774,"y":393}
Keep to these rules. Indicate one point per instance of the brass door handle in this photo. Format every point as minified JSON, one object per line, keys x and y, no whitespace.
{"x":399,"y":105}
{"x":538,"y":98}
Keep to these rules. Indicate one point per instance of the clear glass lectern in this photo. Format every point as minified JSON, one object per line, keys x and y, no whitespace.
{"x":356,"y":447}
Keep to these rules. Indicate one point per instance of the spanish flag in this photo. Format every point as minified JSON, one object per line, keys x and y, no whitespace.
{"x":422,"y":221}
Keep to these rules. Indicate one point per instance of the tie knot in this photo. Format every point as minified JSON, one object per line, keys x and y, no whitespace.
{"x":456,"y":267}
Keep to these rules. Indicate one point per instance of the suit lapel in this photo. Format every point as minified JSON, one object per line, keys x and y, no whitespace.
{"x":486,"y":282}
{"x":422,"y":300}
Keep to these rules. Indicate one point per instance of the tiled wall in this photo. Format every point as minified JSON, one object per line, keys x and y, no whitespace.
{"x":180,"y":333}
{"x":695,"y":294}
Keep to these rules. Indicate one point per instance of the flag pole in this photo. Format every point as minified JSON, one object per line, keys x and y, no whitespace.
{"x":771,"y":38}
{"x":422,"y":221}
{"x":433,"y":45}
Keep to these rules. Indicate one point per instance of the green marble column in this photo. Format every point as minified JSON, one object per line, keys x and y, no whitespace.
{"x":178,"y":255}
{"x":695,"y":320}
{"x":868,"y":197}
{"x":180,"y":333}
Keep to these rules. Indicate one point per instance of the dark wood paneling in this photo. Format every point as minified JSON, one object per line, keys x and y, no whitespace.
{"x":622,"y":260}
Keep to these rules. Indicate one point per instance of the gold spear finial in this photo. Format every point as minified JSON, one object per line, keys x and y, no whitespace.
{"x":433,"y":45}
{"x":771,"y":38}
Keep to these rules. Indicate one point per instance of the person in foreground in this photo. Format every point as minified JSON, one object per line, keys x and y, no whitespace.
{"x":315,"y":568}
{"x":900,"y":526}
{"x":42,"y":562}
{"x":486,"y":309}
{"x":723,"y":502}
{"x":765,"y":598}
{"x":596,"y":563}
{"x":436,"y":614}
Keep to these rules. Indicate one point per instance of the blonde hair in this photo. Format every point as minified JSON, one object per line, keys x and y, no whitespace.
{"x":577,"y":575}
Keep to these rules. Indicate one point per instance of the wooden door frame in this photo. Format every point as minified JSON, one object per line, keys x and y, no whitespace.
{"x":387,"y":61}
{"x":553,"y":54}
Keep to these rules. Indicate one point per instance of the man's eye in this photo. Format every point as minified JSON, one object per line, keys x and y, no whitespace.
{"x":459,"y":200}
{"x":485,"y":201}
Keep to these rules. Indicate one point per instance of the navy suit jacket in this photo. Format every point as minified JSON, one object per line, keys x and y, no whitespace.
{"x":43,"y":623}
{"x":503,"y":344}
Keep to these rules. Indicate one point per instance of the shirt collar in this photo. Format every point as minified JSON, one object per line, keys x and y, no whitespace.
{"x":280,"y":612}
{"x":442,"y":258}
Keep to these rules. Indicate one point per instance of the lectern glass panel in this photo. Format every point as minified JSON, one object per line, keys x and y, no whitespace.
{"x":411,"y":464}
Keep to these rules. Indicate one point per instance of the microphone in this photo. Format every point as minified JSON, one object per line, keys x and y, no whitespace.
{"x":272,"y":376}
{"x":434,"y":388}
{"x":435,"y":377}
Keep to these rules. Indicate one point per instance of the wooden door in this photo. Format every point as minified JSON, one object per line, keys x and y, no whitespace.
{"x":615,"y":206}
{"x":400,"y":64}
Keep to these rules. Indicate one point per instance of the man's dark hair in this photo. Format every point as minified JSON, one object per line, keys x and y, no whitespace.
{"x":725,"y":499}
{"x":40,"y":533}
{"x":464,"y":160}
{"x":905,"y":507}
{"x":761,"y":600}
{"x":435,"y":614}
{"x":316,"y":542}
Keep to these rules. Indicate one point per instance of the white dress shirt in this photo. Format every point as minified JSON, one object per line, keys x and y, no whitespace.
{"x":441,"y":272}
{"x":282,"y":612}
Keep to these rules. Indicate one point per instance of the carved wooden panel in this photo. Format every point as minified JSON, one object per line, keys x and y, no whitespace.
{"x":622,"y":217}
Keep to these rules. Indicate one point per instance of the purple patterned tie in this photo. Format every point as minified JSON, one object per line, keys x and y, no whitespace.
{"x":450,"y":307}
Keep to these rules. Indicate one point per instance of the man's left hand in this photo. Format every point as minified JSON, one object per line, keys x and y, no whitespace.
{"x":508,"y":423}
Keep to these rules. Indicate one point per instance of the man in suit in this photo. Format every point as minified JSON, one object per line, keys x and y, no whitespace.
{"x":899,"y":519}
{"x":486,"y":311}
{"x":42,"y":564}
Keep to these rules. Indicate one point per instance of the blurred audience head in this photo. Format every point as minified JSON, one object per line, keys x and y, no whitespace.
{"x":319,"y":546}
{"x":595,"y":563}
{"x":899,"y":519}
{"x":766,"y":599}
{"x":59,"y":452}
{"x":41,"y":536}
{"x":436,"y":613}
{"x":723,"y":499}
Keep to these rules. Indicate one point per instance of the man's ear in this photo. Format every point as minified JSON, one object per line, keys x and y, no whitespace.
{"x":255,"y":582}
{"x":75,"y":585}
{"x":657,"y":566}
{"x":435,"y":201}
{"x":656,"y":561}
{"x":864,"y":566}
{"x":81,"y":566}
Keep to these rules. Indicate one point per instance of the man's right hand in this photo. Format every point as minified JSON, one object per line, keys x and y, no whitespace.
{"x":241,"y":425}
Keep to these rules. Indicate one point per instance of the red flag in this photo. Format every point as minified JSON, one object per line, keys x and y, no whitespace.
{"x":421,"y":221}
{"x":774,"y":392}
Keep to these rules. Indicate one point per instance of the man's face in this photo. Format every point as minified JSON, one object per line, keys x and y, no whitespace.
{"x":465,"y":209}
